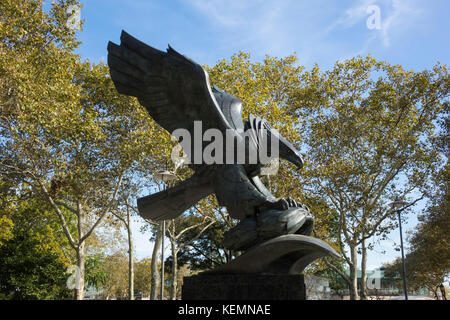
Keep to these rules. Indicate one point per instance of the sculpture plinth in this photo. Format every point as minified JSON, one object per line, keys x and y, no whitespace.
{"x":244,"y":287}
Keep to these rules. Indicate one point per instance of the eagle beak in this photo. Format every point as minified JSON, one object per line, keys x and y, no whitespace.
{"x":293,"y":156}
{"x":298,"y":161}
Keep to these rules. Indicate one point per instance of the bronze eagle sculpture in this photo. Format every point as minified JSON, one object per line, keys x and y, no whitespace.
{"x":176,"y":93}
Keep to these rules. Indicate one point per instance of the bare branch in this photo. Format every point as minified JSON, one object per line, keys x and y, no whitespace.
{"x":336,"y":269}
{"x":118,"y":216}
{"x":65,"y":205}
{"x":383,"y":217}
{"x":191,"y":227}
{"x":106,"y":210}
{"x":59,"y":213}
{"x":197,"y":236}
{"x":204,"y":255}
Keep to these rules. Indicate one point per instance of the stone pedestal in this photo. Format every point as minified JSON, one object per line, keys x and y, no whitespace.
{"x":244,"y":287}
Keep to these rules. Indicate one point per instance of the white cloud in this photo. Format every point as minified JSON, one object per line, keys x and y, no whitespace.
{"x":352,"y":15}
{"x":222,"y":12}
{"x":243,"y":22}
{"x":396,"y":17}
{"x":403,"y":14}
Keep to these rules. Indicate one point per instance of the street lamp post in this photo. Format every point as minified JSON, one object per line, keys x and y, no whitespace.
{"x":165,"y":177}
{"x":398,"y":206}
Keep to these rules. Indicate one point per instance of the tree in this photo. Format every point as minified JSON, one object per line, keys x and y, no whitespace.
{"x":368,"y":128}
{"x":65,"y":131}
{"x":34,"y":260}
{"x":428,"y":260}
{"x":116,"y":266}
{"x":156,"y":277}
{"x":6,"y":224}
{"x":143,"y":276}
{"x":123,"y":212}
{"x":156,"y":230}
{"x":177,"y":231}
{"x":263,"y":87}
{"x":29,"y":271}
{"x":30,"y":40}
{"x":203,"y":249}
{"x":96,"y":274}
{"x":126,"y":219}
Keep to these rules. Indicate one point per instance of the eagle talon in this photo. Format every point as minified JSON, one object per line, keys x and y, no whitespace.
{"x":293,"y":204}
{"x":268,"y":225}
{"x":284,"y":203}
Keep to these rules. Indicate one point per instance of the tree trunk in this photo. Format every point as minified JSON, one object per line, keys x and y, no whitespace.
{"x":363,"y":290}
{"x":130,"y":257}
{"x":81,"y":255}
{"x":435,"y":293}
{"x":353,"y":273}
{"x":154,"y":266}
{"x":81,"y":262}
{"x":173,"y":289}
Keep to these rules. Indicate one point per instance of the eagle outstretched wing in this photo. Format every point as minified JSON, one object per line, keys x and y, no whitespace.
{"x":174,"y":89}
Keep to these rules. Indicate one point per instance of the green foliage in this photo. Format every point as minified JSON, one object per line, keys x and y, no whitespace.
{"x":66,"y":131}
{"x":6,"y":226}
{"x":29,"y":271}
{"x":35,"y":257}
{"x":263,"y":87}
{"x":116,"y":266}
{"x":335,"y":280}
{"x":142,"y":276}
{"x":96,"y":275}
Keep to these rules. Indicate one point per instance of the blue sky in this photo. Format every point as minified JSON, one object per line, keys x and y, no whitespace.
{"x":412,"y":33}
